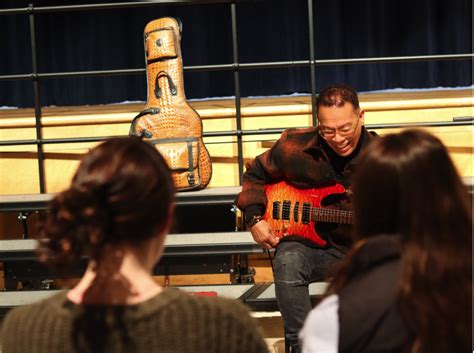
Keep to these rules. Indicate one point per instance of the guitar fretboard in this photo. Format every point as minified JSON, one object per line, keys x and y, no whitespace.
{"x":305,"y":212}
{"x":319,"y":214}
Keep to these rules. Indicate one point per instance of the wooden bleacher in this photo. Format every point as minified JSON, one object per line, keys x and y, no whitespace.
{"x":189,"y":253}
{"x":214,"y":259}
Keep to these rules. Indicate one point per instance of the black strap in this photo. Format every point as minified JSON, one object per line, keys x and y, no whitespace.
{"x":171,"y":84}
{"x":191,"y":178}
{"x":190,"y":156}
{"x":144,"y":133}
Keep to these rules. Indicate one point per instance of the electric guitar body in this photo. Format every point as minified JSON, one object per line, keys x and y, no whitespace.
{"x":295,"y":212}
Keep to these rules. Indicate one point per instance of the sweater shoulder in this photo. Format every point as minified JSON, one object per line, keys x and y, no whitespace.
{"x":45,"y":305}
{"x":300,"y":133}
{"x":297,"y":138}
{"x":219,"y":305}
{"x":26,"y":323}
{"x":236,"y":326}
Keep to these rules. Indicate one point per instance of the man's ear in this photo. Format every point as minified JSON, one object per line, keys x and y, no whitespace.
{"x":362,"y":116}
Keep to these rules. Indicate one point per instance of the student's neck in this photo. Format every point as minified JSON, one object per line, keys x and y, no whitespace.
{"x":120,"y":278}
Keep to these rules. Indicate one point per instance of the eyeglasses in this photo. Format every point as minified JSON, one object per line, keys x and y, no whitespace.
{"x":346,"y":130}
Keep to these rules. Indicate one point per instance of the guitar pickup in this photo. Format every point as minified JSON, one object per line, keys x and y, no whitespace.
{"x":276,"y":210}
{"x":285,"y":214}
{"x":306,"y":214}
{"x":295,"y":211}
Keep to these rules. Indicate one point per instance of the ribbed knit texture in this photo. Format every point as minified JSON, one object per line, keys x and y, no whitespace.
{"x":171,"y":322}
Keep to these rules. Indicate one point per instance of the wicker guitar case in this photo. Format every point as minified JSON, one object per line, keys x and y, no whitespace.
{"x":167,"y":120}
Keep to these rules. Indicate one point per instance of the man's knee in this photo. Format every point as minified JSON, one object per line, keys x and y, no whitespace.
{"x":291,"y":268}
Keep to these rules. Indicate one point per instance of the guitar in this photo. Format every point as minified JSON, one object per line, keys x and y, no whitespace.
{"x":292,"y":211}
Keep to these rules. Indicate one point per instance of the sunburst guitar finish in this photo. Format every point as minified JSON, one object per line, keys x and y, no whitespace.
{"x":293,"y":211}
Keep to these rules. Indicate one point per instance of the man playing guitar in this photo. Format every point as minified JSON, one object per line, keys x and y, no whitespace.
{"x":286,"y":189}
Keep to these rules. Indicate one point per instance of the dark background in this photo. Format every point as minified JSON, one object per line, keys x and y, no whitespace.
{"x":274,"y":30}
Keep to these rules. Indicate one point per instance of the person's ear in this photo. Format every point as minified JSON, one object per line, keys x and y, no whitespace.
{"x":361,"y":116}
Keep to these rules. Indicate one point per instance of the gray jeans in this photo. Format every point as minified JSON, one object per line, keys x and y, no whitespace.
{"x":295,"y":266}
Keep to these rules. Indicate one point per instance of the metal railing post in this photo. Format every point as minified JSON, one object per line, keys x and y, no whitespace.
{"x":36,"y":89}
{"x":238,"y":116}
{"x":312,"y":61}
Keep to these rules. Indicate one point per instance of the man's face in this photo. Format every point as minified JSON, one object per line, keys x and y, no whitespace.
{"x":341,"y":127}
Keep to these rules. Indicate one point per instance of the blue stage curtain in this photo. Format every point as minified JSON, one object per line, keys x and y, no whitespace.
{"x":274,"y":30}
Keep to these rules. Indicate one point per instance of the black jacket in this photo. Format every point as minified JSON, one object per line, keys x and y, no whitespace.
{"x":302,"y":158}
{"x":369,"y":317}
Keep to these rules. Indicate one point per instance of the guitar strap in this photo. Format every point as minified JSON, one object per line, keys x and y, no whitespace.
{"x":167,"y":120}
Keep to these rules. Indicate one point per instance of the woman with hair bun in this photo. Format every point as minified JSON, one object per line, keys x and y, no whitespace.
{"x":406,"y":284}
{"x":117,"y":212}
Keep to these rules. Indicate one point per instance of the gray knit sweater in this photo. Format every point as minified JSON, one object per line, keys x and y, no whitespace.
{"x":171,"y":322}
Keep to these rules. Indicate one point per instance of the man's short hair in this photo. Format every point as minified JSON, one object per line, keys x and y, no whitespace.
{"x":337,"y":96}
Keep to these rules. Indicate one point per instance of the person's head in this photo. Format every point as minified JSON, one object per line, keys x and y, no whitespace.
{"x":340,"y":118}
{"x":407,"y":186}
{"x":121,"y":194}
{"x":406,"y":183}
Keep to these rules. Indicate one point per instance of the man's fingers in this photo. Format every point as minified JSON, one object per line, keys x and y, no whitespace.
{"x":265,"y":244}
{"x":274,"y":241}
{"x":263,"y":235}
{"x":270,"y":243}
{"x":269,"y":246}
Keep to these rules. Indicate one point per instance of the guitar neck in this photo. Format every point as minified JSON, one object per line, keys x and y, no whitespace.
{"x":319,"y":214}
